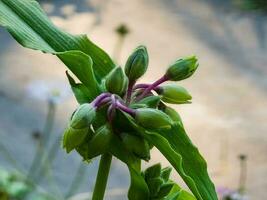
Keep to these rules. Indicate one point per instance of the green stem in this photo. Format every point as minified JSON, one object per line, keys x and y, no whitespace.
{"x":102,"y":177}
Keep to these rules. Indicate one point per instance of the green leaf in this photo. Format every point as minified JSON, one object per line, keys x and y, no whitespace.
{"x":176,"y":146}
{"x":81,"y":92}
{"x":177,"y":193}
{"x":29,"y":25}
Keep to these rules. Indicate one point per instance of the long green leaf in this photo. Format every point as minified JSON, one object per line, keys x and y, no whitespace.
{"x":29,"y":25}
{"x":176,"y":146}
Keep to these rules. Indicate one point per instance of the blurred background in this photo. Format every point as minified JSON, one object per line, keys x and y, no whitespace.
{"x":227,"y":119}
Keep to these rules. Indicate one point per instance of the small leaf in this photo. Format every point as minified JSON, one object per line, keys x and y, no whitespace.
{"x":164,"y":190}
{"x":153,"y":171}
{"x":81,"y":92}
{"x":165,"y":173}
{"x":154,"y":185}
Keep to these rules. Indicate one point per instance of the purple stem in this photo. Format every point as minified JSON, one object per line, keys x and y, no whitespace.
{"x":124,"y":108}
{"x":111,"y":108}
{"x":141,"y":86}
{"x":129,"y":92}
{"x":97,"y":101}
{"x":152,"y":87}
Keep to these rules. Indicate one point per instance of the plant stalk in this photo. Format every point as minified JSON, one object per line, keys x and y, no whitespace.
{"x":102,"y":177}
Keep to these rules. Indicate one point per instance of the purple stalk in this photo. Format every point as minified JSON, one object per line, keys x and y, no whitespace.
{"x":141,"y":86}
{"x":129,"y":92}
{"x":97,"y":101}
{"x":152,"y":87}
{"x":124,"y":108}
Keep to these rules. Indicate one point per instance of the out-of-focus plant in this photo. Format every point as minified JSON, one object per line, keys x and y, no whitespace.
{"x":116,"y":116}
{"x":122,"y":31}
{"x":256,"y":5}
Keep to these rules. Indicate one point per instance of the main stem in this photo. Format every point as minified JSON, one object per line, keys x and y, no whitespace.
{"x":102,"y":177}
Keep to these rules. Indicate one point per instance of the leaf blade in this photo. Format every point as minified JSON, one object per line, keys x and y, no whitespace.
{"x":29,"y":25}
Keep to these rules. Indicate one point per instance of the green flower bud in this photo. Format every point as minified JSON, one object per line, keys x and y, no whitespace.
{"x":83,"y":116}
{"x":137,"y":63}
{"x":116,"y":82}
{"x":174,"y":94}
{"x":153,"y":171}
{"x":152,"y":118}
{"x":99,"y":143}
{"x":150,"y":101}
{"x":74,"y":137}
{"x":137,"y":145}
{"x":78,"y":127}
{"x":173,"y":115}
{"x":182,"y":69}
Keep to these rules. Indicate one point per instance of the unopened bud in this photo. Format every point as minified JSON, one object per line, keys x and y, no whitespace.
{"x":174,"y":94}
{"x":173,"y":114}
{"x":182,"y":69}
{"x":137,"y":63}
{"x":116,"y":82}
{"x":137,"y":145}
{"x":152,"y":118}
{"x":83,"y":116}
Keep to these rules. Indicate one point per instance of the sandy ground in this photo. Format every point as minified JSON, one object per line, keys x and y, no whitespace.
{"x":228,"y":114}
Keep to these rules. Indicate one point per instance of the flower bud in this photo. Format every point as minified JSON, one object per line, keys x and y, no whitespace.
{"x":151,"y":101}
{"x":182,"y":69}
{"x":152,"y":118}
{"x":137,"y":63}
{"x":83,"y":116}
{"x":74,"y":137}
{"x":98,"y":144}
{"x":136,"y":145}
{"x":174,"y":94}
{"x":116,"y":82}
{"x":78,"y":127}
{"x":173,"y":115}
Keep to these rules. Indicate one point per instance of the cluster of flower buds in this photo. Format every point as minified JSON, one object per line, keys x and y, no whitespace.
{"x":158,"y":182}
{"x":145,"y":103}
